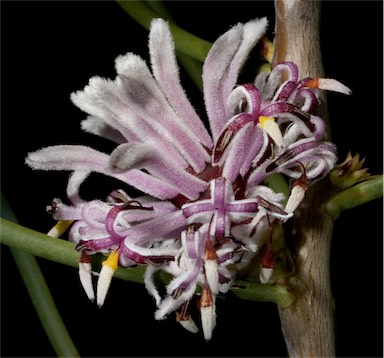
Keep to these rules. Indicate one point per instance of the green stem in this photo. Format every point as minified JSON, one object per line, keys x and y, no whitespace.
{"x":185,"y":42}
{"x":56,"y":250}
{"x":64,"y":252}
{"x":40,"y":295}
{"x":280,"y":294}
{"x":44,"y":304}
{"x":354,"y":196}
{"x":38,"y":244}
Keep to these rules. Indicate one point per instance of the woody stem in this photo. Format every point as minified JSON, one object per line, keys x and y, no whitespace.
{"x":307,"y":324}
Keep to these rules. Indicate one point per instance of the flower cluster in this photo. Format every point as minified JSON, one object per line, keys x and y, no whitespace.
{"x":204,"y":210}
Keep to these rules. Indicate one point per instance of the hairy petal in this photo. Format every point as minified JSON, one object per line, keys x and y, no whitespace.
{"x":161,"y":226}
{"x":273,"y":81}
{"x":214,"y":76}
{"x":98,"y":126}
{"x":147,"y":100}
{"x":141,"y":156}
{"x":252,"y":33}
{"x":239,"y":149}
{"x":75,"y":180}
{"x":219,"y":77}
{"x":247,"y":93}
{"x":107,"y":100}
{"x":73,"y":157}
{"x":258,"y":147}
{"x":170,"y":304}
{"x":94,"y":214}
{"x":166,"y":73}
{"x":149,"y":283}
{"x":67,"y":157}
{"x":100,"y":98}
{"x":66,"y":212}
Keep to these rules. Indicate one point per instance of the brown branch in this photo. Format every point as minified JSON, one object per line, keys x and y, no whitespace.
{"x":307,"y":324}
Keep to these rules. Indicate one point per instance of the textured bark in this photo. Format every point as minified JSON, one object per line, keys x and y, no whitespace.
{"x":307,"y":325}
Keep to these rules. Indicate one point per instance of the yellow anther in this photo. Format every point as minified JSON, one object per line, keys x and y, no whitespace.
{"x":263,"y":120}
{"x":105,"y":277}
{"x":272,"y":128}
{"x":60,"y":227}
{"x":112,"y":260}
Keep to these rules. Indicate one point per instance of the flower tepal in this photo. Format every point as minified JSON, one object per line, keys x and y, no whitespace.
{"x":203,"y":211}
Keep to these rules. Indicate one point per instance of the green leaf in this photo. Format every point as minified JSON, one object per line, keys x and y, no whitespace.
{"x":38,"y":290}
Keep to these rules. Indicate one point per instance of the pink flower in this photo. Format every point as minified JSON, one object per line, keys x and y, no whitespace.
{"x":204,"y":209}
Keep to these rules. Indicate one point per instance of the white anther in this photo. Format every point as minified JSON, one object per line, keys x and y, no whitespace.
{"x":295,"y":198}
{"x":208,"y":320}
{"x":103,"y":283}
{"x":212,"y":275}
{"x":333,"y":85}
{"x":265,"y":274}
{"x":85,"y":275}
{"x":189,"y":325}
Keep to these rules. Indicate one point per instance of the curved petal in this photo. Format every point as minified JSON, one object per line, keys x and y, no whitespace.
{"x":75,"y":180}
{"x":258,"y":148}
{"x":107,"y":100}
{"x":222,"y":66}
{"x":76,"y":157}
{"x":166,"y":73}
{"x":62,"y":211}
{"x":147,"y":255}
{"x":252,"y":33}
{"x":94,"y":214}
{"x":244,"y":94}
{"x":273,"y":82}
{"x":214,"y":75}
{"x":307,"y":151}
{"x":170,"y":304}
{"x":285,"y":111}
{"x":238,"y":150}
{"x":98,"y":126}
{"x":101,"y":100}
{"x":67,"y":157}
{"x":140,"y":156}
{"x":148,"y":101}
{"x":155,"y":229}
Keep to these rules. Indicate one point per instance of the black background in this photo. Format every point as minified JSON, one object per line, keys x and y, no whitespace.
{"x":50,"y":49}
